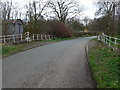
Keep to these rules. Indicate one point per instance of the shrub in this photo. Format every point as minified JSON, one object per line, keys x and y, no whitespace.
{"x":60,"y":30}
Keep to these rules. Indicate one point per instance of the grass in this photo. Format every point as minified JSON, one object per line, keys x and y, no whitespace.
{"x":104,"y":64}
{"x":95,"y":39}
{"x":7,"y":50}
{"x":117,"y":36}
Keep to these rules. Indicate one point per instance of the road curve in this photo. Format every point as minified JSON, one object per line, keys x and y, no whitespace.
{"x":58,"y":65}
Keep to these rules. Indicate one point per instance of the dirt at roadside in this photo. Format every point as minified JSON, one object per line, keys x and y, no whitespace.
{"x":92,"y":44}
{"x":34,"y":44}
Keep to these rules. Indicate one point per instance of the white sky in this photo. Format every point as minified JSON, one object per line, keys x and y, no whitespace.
{"x":89,"y":8}
{"x":88,"y":5}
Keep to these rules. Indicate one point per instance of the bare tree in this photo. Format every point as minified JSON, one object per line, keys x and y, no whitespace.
{"x":7,"y":7}
{"x":35,"y":10}
{"x":64,"y":8}
{"x":118,"y":16}
{"x":108,"y":8}
{"x":1,"y":9}
{"x":86,"y":20}
{"x":10,"y":10}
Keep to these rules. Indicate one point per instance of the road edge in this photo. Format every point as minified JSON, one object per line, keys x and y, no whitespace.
{"x":89,"y":67}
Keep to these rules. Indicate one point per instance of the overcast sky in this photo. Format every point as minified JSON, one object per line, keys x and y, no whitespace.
{"x":88,"y":5}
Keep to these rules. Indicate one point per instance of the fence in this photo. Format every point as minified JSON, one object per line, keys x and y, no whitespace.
{"x":24,"y":37}
{"x":111,"y":41}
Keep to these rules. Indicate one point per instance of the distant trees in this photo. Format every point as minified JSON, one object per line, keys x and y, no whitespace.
{"x":7,"y":6}
{"x":37,"y":11}
{"x":118,"y":15}
{"x":64,"y":9}
{"x":109,"y":19}
{"x":10,"y":10}
{"x":76,"y":25}
{"x":1,"y":8}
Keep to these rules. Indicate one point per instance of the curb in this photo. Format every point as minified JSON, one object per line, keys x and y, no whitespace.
{"x":91,"y":74}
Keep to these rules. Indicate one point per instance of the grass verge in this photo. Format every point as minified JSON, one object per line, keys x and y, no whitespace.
{"x":7,"y":50}
{"x":104,"y":64}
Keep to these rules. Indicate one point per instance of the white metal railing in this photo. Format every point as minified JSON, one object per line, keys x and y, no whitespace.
{"x":42,"y":37}
{"x":12,"y":38}
{"x":24,"y":37}
{"x":109,"y":40}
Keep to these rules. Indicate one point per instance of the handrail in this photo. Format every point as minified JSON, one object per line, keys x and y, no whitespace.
{"x":26,"y":36}
{"x":108,"y":39}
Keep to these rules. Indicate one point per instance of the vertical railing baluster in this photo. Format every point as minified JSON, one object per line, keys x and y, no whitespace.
{"x":109,"y":41}
{"x":4,"y":39}
{"x":14,"y":38}
{"x":33,"y":36}
{"x":37,"y":37}
{"x":21,"y":38}
{"x":115,"y":41}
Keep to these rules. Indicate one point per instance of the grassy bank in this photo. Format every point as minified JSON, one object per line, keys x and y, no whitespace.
{"x":8,"y":50}
{"x":104,"y":64}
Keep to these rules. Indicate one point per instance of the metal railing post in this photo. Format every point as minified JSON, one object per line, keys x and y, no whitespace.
{"x":109,"y":41}
{"x":49,"y":37}
{"x":45,"y":37}
{"x":21,"y":37}
{"x":14,"y":38}
{"x":37,"y":37}
{"x":33,"y":36}
{"x":4,"y":39}
{"x":106,"y":39}
{"x":115,"y":41}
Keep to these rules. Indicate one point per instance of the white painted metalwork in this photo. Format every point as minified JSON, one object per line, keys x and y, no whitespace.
{"x":108,"y":39}
{"x":24,"y":37}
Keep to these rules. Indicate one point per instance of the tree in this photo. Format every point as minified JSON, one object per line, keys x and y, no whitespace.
{"x":1,"y":9}
{"x":10,"y":10}
{"x":118,"y":15}
{"x":86,"y":21}
{"x":76,"y":25}
{"x":34,"y":15}
{"x":62,"y":9}
{"x":109,"y":9}
{"x":7,"y":10}
{"x":35,"y":10}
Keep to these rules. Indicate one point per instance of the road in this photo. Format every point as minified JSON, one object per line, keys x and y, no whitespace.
{"x":58,"y":65}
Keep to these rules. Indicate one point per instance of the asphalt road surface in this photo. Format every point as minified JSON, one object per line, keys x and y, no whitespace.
{"x":58,"y":65}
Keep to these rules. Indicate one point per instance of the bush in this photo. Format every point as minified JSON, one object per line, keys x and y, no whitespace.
{"x":60,"y":30}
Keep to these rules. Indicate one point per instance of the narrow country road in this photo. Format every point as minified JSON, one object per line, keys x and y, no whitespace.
{"x":58,"y":65}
